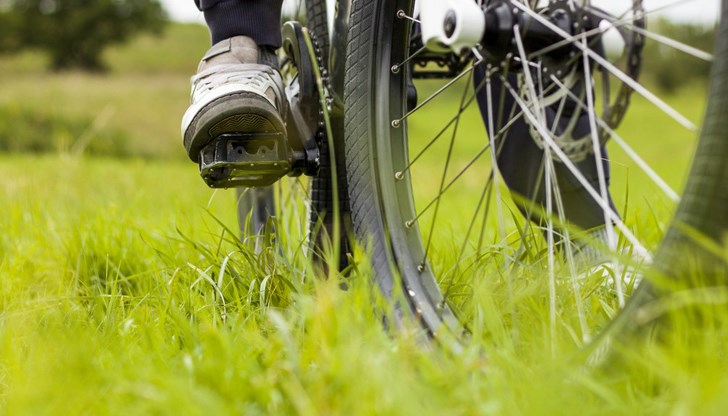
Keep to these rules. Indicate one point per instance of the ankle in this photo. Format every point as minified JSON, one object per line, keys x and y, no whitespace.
{"x":267,"y":56}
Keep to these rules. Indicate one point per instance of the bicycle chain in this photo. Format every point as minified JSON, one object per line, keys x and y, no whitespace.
{"x":326,"y":80}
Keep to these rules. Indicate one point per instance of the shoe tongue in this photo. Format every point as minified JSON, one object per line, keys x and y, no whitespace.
{"x":236,"y":50}
{"x":218,"y":49}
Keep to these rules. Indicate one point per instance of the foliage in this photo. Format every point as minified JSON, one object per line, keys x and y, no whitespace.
{"x":133,"y":110}
{"x":668,"y":68}
{"x":23,"y":130}
{"x":74,"y":33}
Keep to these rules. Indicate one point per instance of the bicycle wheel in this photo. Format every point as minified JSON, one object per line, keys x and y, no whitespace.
{"x":257,"y":205}
{"x":528,"y":117}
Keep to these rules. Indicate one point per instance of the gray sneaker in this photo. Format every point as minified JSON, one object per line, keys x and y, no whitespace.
{"x":236,"y":90}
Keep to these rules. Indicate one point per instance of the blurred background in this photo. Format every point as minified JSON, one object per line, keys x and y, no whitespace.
{"x":111,"y":77}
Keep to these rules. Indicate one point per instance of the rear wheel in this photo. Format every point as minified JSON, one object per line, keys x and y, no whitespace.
{"x":284,"y":200}
{"x":430,"y":180}
{"x":255,"y":207}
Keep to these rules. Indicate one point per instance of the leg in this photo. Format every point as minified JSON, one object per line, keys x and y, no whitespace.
{"x":520,"y":160}
{"x":257,"y":19}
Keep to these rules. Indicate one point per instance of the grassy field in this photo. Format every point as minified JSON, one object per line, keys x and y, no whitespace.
{"x":124,"y":288}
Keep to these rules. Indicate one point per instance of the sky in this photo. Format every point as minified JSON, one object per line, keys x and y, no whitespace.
{"x":686,"y":10}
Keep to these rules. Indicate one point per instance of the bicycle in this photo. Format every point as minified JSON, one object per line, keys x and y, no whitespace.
{"x":541,"y":56}
{"x":326,"y":205}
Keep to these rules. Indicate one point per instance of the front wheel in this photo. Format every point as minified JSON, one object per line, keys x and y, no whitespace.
{"x":499,"y":174}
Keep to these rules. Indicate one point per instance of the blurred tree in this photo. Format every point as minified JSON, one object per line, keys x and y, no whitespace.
{"x":74,"y":33}
{"x":668,"y":68}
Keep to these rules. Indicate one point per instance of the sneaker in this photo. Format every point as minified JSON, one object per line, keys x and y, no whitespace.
{"x":237,"y":89}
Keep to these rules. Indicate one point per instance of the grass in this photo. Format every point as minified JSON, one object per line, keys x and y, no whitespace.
{"x":123,"y":289}
{"x":111,"y":304}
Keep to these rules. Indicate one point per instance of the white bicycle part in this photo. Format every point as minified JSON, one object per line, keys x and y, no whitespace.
{"x":451,"y":24}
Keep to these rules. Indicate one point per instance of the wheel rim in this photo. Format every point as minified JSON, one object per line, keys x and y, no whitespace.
{"x":411,"y":232}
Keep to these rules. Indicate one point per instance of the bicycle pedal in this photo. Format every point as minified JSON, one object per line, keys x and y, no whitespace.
{"x":245,"y":160}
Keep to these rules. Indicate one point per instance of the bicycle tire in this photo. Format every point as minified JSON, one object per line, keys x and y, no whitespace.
{"x":380,"y":204}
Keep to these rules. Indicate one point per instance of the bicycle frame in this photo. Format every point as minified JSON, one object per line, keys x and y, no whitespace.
{"x":338,"y":22}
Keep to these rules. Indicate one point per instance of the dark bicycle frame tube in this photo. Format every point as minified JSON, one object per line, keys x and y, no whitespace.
{"x":337,"y":56}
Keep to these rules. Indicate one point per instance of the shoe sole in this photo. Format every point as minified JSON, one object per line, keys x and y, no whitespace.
{"x":242,"y":112}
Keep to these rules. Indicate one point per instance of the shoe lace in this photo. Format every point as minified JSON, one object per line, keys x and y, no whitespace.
{"x":254,"y":77}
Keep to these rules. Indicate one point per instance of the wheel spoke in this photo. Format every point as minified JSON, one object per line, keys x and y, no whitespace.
{"x":551,"y":247}
{"x":536,"y":100}
{"x":396,"y":67}
{"x":494,"y":159}
{"x":485,"y":194}
{"x":472,"y":161}
{"x":621,"y":21}
{"x":444,"y":173}
{"x":548,"y":140}
{"x":569,"y":250}
{"x":690,"y":50}
{"x":654,"y":176}
{"x":400,"y":174}
{"x":403,"y":15}
{"x":398,"y":122}
{"x":449,"y":185}
{"x":599,"y":161}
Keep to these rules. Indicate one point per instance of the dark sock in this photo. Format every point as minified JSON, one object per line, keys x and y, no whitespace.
{"x":258,"y":19}
{"x":267,"y":56}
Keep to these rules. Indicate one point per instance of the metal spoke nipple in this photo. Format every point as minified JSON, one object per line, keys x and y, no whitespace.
{"x":399,"y":176}
{"x":396,"y":123}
